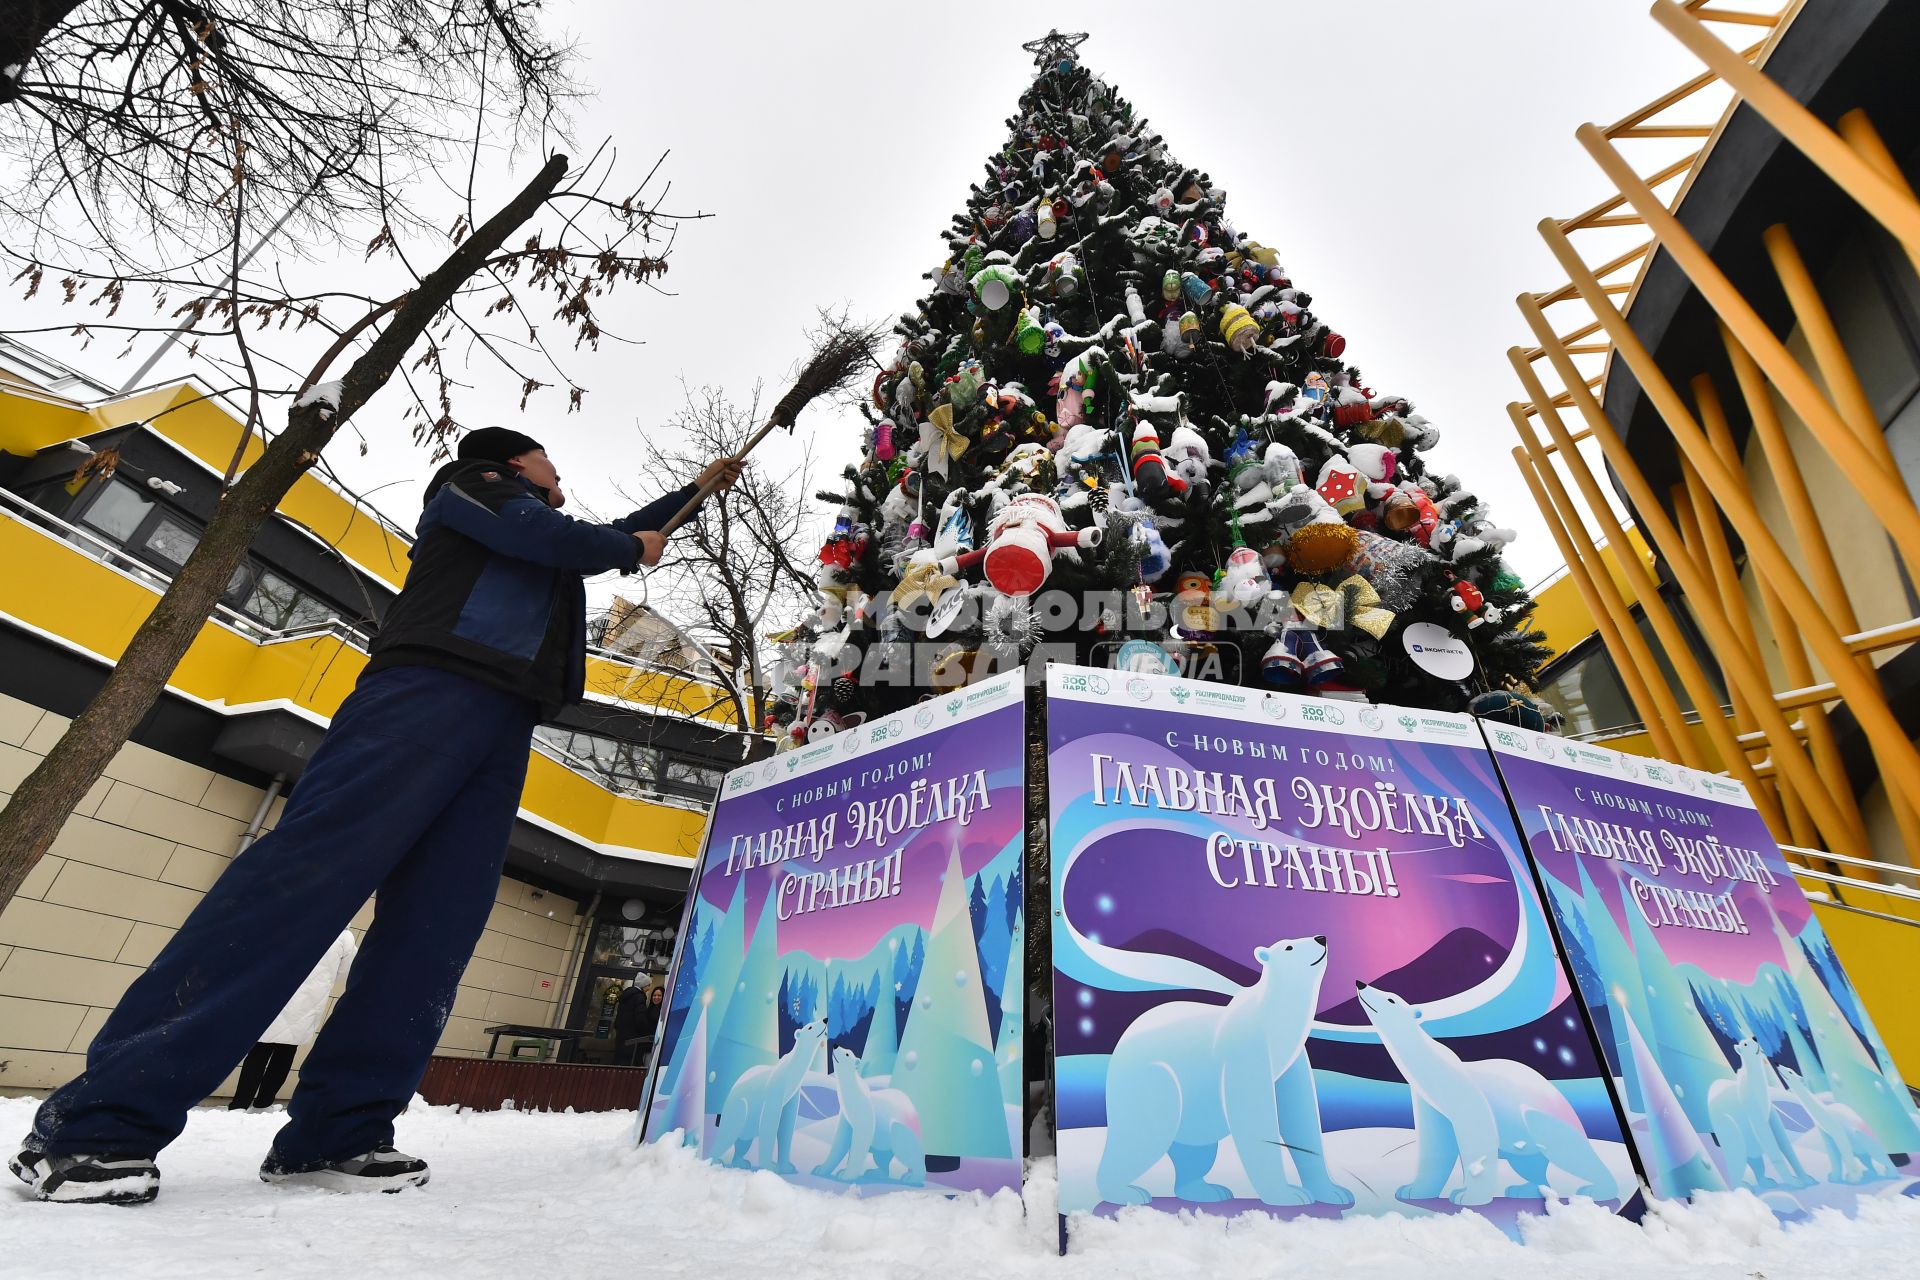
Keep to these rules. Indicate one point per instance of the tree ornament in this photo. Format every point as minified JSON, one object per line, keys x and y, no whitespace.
{"x":1028,"y":333}
{"x":1315,"y":537}
{"x":941,"y":440}
{"x":1341,"y":486}
{"x":1150,"y":474}
{"x":1170,"y":285}
{"x":1021,"y":541}
{"x":1045,"y":224}
{"x":1063,"y":275}
{"x":1332,"y":345}
{"x":995,"y":286}
{"x":883,"y":440}
{"x":1353,"y":603}
{"x":1468,"y":600}
{"x":1238,"y":328}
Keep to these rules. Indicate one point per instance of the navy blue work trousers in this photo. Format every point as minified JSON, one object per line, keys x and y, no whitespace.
{"x":411,"y":799}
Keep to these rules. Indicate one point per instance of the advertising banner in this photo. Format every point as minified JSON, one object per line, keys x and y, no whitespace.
{"x":846,"y":995}
{"x":1743,"y":1056}
{"x":1300,"y":964}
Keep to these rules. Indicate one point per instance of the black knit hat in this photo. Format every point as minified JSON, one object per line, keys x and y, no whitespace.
{"x":495,"y":444}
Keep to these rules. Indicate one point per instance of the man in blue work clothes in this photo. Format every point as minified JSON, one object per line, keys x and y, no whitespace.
{"x":411,"y":797}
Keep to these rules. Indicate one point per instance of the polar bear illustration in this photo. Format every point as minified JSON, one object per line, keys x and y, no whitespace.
{"x":876,"y":1122}
{"x":763,"y":1104}
{"x":1853,"y":1153}
{"x":1186,"y":1075}
{"x":1744,"y":1123}
{"x":1475,"y":1114}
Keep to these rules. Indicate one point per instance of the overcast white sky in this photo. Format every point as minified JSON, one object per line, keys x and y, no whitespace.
{"x":1397,"y":152}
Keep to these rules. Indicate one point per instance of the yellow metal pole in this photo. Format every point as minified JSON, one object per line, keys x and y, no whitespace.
{"x":1865,"y":139}
{"x":1652,"y":606}
{"x":1738,"y":665}
{"x":1829,"y":354}
{"x":1895,"y":210}
{"x":1898,"y":759}
{"x":1822,"y":569}
{"x":1633,"y":661}
{"x":1880,"y":487}
{"x":1794,"y":658}
{"x":1687,"y":512}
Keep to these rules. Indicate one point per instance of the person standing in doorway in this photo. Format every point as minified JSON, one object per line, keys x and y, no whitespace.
{"x":411,"y":799}
{"x":265,"y":1067}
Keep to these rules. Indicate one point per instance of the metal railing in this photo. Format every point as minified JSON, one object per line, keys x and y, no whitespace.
{"x":1897,"y":891}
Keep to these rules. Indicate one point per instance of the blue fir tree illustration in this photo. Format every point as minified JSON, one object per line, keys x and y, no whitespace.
{"x":1813,"y":941}
{"x":946,"y":1052}
{"x":977,"y":908}
{"x":685,"y":1109}
{"x":748,"y":1034}
{"x":1853,"y":1072}
{"x":1673,"y":1028}
{"x":1611,"y":955}
{"x":883,"y":1034}
{"x":719,"y":973}
{"x":1676,"y":1158}
{"x":1016,"y":894}
{"x":1007,"y":1048}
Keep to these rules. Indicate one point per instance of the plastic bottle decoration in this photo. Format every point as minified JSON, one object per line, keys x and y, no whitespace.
{"x":883,"y":440}
{"x":1028,"y":333}
{"x":1281,"y":467}
{"x":1020,"y":545}
{"x":1244,"y":581}
{"x":1190,"y":329}
{"x":1044,"y":223}
{"x":1332,"y":345}
{"x":1243,"y":463}
{"x":1020,"y":228}
{"x":1238,"y":328}
{"x":1029,"y":466}
{"x":994,"y":285}
{"x":1054,"y":332}
{"x":1076,"y":388}
{"x":1155,"y":559}
{"x":1170,"y":285}
{"x":1299,"y":657}
{"x":1188,"y":457}
{"x":1162,"y":201}
{"x":1063,"y":275}
{"x":1150,"y":474}
{"x":1194,"y":289}
{"x":1375,"y":462}
{"x":1313,"y":390}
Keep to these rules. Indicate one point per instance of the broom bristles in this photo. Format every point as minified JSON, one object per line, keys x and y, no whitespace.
{"x":842,"y":351}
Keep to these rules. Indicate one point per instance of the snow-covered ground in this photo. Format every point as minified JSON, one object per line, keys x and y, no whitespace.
{"x":518,"y":1194}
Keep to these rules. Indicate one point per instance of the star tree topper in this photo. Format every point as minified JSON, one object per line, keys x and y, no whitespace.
{"x":1053,"y":47}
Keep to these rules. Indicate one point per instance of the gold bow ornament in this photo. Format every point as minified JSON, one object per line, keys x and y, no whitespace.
{"x":923,"y":577}
{"x":942,"y":440}
{"x":1353,"y":603}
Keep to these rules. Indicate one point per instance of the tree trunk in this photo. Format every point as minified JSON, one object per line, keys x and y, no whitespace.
{"x":21,"y":31}
{"x":42,"y":803}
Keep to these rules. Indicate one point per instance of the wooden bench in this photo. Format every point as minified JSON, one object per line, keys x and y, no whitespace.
{"x":486,"y":1084}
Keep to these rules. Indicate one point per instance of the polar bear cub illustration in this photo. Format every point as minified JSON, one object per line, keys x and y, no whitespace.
{"x":876,"y":1122}
{"x":1853,"y":1152}
{"x":1746,"y":1126}
{"x":764,"y":1102}
{"x":1187,"y":1075}
{"x":1475,"y":1114}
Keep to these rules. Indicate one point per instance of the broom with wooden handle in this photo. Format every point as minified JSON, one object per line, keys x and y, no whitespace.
{"x":840,"y":353}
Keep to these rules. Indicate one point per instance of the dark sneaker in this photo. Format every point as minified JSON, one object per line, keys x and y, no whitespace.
{"x":88,"y":1179}
{"x":381,"y":1169}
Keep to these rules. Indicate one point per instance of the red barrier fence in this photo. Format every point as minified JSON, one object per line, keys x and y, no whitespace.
{"x":485,"y":1084}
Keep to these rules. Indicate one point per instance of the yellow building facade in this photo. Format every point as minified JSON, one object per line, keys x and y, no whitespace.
{"x":1726,"y":383}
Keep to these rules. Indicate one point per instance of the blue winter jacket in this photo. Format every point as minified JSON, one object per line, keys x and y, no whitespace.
{"x":494,"y":592}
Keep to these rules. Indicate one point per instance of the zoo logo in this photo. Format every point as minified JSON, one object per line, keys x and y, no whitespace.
{"x":1322,"y":714}
{"x":1501,"y":736}
{"x":739,"y":781}
{"x":1659,"y":773}
{"x":1140,"y":690}
{"x":1371,"y":718}
{"x":1098,"y":684}
{"x":1180,"y":693}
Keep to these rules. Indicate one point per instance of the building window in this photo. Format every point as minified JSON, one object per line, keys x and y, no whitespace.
{"x":1585,"y":686}
{"x":281,"y":605}
{"x":118,"y":511}
{"x":630,"y":769}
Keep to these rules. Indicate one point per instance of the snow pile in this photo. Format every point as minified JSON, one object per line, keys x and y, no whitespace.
{"x":520,"y":1194}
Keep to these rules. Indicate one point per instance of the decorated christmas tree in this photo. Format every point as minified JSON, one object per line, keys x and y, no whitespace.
{"x":1115,"y":427}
